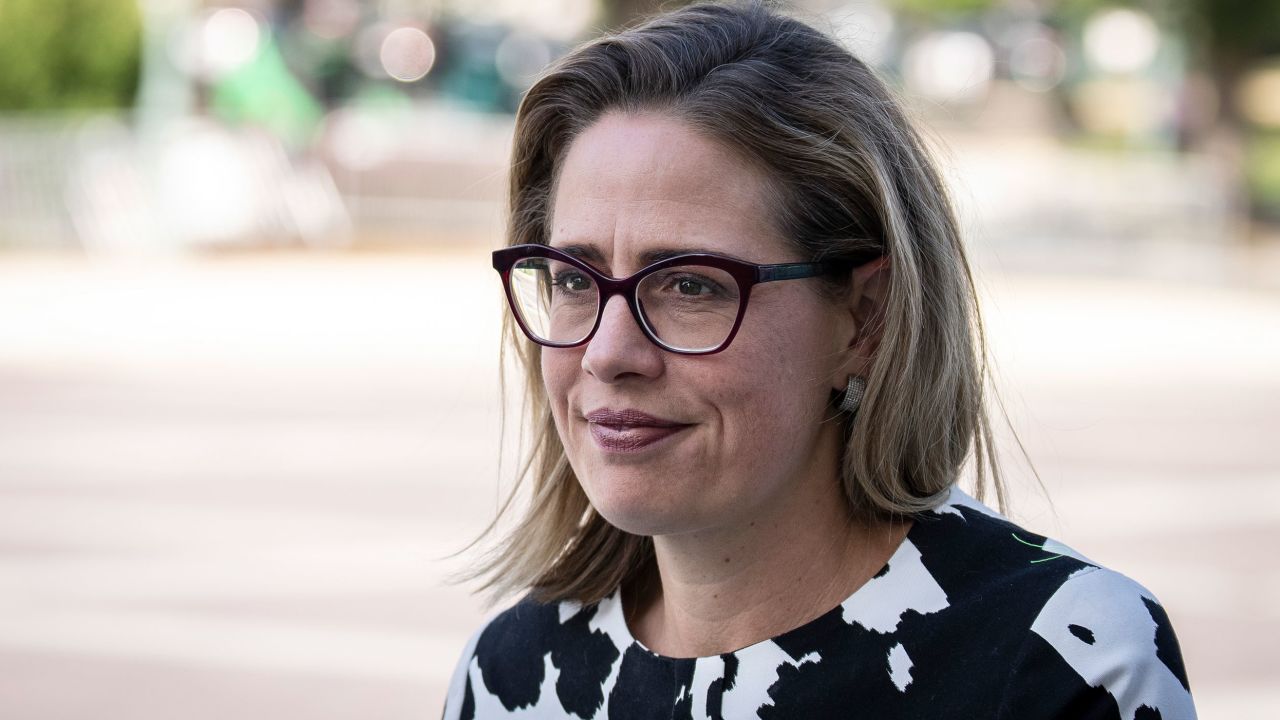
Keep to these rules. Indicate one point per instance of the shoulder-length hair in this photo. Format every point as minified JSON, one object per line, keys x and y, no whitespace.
{"x":849,"y":174}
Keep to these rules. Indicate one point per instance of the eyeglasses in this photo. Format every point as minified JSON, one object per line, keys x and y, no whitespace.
{"x":689,"y":304}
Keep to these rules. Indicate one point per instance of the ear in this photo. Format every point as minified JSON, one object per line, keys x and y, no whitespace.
{"x":861,"y":315}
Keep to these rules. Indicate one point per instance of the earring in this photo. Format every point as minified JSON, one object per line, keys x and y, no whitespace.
{"x":853,"y":394}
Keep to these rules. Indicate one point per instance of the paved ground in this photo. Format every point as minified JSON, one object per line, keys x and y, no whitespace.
{"x":226,"y":485}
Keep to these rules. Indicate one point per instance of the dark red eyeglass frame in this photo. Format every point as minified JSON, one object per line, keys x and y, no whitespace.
{"x":746,"y":274}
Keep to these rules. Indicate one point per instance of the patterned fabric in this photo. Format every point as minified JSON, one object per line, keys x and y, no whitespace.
{"x":972,"y":617}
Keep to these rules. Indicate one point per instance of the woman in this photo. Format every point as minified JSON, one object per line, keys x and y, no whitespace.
{"x":753,"y":365}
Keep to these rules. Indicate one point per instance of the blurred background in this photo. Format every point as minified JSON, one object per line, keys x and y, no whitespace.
{"x":248,"y":329}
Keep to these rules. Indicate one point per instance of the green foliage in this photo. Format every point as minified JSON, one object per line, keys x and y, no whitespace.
{"x":1241,"y":28}
{"x":69,"y":54}
{"x":1262,"y":169}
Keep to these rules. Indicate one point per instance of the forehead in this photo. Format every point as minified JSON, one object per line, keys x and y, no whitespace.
{"x":631,"y":184}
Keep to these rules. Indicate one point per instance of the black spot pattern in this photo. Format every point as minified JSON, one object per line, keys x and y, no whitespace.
{"x":1167,"y":648}
{"x":683,"y":709}
{"x":1042,"y":685}
{"x":468,"y":704}
{"x":1084,"y":633}
{"x":648,"y":686}
{"x":943,"y":631}
{"x":715,"y":693}
{"x":584,"y":661}
{"x":510,"y":653}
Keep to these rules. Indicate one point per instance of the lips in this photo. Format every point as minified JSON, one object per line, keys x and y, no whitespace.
{"x":629,"y":430}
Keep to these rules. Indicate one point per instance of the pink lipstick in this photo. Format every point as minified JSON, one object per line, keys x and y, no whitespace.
{"x":625,"y":431}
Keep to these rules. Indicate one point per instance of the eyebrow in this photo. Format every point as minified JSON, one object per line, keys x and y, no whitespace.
{"x":592,"y":255}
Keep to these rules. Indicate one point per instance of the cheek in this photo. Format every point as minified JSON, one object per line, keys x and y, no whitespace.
{"x":558,"y":378}
{"x":779,"y":382}
{"x":763,"y":396}
{"x":559,"y":369}
{"x":788,"y":351}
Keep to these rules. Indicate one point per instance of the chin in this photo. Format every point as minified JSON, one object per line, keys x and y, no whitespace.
{"x":637,"y":524}
{"x":641,"y":512}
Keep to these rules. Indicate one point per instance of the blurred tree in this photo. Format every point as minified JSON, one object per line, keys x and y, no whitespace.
{"x":1236,"y":37}
{"x":1232,"y":35}
{"x":1227,"y":37}
{"x":69,"y":54}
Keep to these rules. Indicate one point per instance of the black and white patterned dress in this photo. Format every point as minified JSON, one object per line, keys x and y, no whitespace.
{"x":972,"y":617}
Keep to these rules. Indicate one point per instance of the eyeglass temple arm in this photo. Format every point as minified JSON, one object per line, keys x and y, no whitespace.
{"x":791,"y":271}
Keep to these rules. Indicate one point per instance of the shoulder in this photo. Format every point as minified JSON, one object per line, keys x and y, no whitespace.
{"x":517,"y":660}
{"x":1090,"y":640}
{"x":1107,"y":632}
{"x":985,"y":563}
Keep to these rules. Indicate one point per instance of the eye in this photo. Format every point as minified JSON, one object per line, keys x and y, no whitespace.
{"x":572,"y":281}
{"x":690,"y":286}
{"x":693,"y":285}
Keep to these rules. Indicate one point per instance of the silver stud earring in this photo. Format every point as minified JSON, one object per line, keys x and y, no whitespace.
{"x":853,"y":394}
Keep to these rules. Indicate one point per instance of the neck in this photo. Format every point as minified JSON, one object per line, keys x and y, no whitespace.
{"x":724,"y":588}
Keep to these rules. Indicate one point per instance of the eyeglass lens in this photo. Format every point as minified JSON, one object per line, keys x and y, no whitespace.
{"x":687,"y":307}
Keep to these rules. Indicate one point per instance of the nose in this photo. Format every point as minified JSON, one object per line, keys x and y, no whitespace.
{"x":620,"y":349}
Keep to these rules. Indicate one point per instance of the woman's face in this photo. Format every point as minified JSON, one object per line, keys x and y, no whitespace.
{"x":751,"y":418}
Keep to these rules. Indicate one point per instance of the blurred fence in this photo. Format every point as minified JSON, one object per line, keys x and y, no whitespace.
{"x":432,"y":174}
{"x":1036,"y":203}
{"x":416,"y":176}
{"x":93,"y":184}
{"x":35,"y":159}
{"x":424,"y":175}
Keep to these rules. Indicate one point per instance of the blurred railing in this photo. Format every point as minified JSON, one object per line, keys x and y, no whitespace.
{"x":431,"y":174}
{"x":92,"y":183}
{"x":35,"y":156}
{"x":1034,"y":201}
{"x":424,"y":175}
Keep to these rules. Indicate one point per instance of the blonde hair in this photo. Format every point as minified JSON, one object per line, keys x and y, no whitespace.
{"x":850,"y":174}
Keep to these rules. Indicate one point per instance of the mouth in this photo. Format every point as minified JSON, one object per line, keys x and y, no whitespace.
{"x":631,"y":438}
{"x":629,"y":431}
